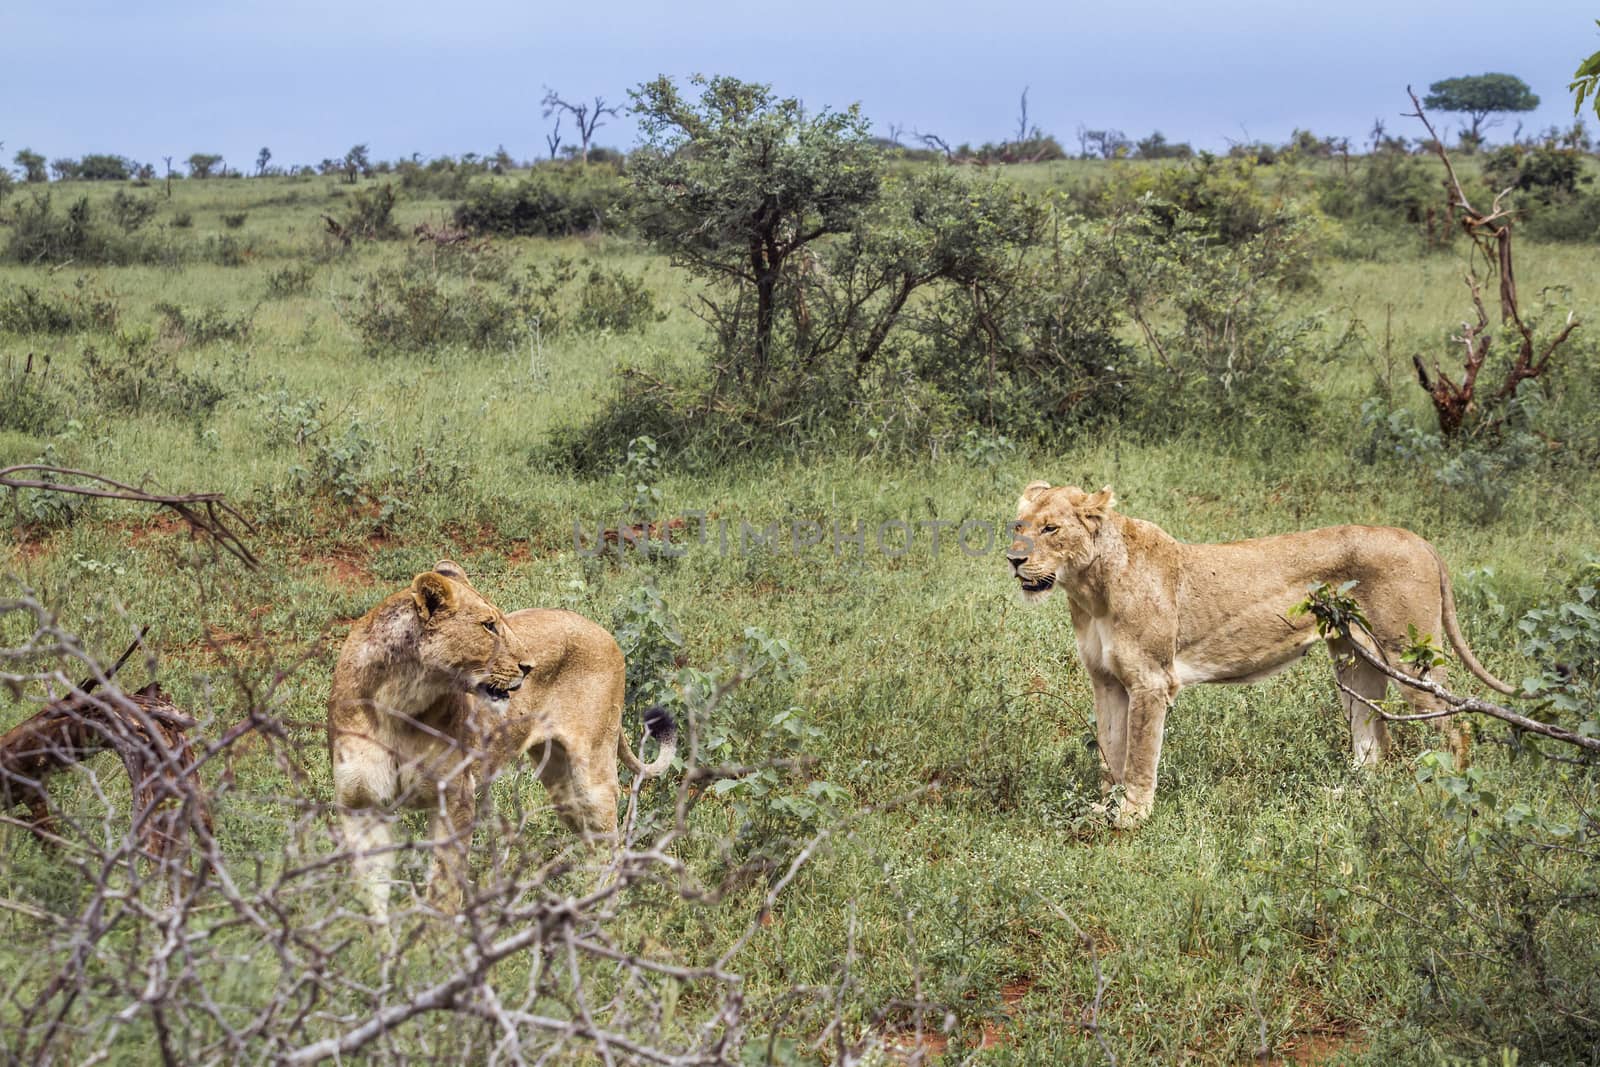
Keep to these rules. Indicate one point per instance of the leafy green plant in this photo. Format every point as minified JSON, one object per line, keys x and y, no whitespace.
{"x":32,"y":399}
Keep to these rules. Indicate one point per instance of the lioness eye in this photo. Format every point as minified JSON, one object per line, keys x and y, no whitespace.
{"x":1048,"y":529}
{"x":489,"y":625}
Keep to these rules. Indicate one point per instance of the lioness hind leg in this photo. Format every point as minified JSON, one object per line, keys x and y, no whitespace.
{"x":1456,"y":730}
{"x":1369,"y":734}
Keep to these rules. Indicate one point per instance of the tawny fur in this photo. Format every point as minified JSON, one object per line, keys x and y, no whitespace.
{"x":409,"y":725}
{"x":1153,"y":615}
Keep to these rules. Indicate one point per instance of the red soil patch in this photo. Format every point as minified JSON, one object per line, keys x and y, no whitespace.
{"x":904,"y":1047}
{"x":162,"y":524}
{"x":31,"y":551}
{"x":1317,"y":1050}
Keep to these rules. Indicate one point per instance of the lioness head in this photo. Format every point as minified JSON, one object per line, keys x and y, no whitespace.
{"x":1054,"y":534}
{"x":464,"y":636}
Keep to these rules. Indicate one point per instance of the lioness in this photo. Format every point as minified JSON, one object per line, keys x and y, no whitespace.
{"x":436,"y":692}
{"x":1153,"y":615}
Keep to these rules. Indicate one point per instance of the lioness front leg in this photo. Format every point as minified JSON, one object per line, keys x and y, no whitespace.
{"x":364,"y":784}
{"x":1147,"y":716}
{"x":1110,"y":729}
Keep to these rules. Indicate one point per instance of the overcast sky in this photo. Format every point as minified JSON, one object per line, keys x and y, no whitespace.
{"x":310,"y":78}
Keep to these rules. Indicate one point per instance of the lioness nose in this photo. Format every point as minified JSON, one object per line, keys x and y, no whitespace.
{"x":1016,"y":559}
{"x":526,"y":668}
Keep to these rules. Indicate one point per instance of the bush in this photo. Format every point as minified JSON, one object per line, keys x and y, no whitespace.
{"x":132,"y":212}
{"x":412,"y":309}
{"x":182,"y":220}
{"x":182,"y":327}
{"x":142,"y":376}
{"x":292,"y":280}
{"x":556,"y":200}
{"x":1476,"y":476}
{"x":40,"y":235}
{"x":31,"y":400}
{"x":87,"y":307}
{"x":235,"y":219}
{"x":613,"y":300}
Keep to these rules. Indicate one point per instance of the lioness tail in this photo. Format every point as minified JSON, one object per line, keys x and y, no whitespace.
{"x":658,"y":721}
{"x":1453,"y":629}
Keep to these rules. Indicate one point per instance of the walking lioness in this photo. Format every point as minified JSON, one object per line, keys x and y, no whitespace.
{"x":1153,"y":615}
{"x":436,"y":692}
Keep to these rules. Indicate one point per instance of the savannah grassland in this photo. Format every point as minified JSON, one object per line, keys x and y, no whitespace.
{"x":1277,"y":904}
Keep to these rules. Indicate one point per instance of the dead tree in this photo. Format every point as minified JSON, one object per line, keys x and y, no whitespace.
{"x":933,"y":141}
{"x":587,"y":116}
{"x":1022,"y":118}
{"x":553,"y":138}
{"x":1490,"y":232}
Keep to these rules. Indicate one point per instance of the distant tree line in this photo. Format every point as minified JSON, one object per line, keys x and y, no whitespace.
{"x":1478,"y":97}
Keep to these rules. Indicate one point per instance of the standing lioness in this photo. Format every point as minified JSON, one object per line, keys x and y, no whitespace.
{"x":1153,"y":615}
{"x":436,"y":692}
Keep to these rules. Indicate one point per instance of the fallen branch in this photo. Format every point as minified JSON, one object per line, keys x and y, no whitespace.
{"x":206,"y":513}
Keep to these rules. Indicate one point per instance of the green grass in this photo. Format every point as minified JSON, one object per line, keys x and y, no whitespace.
{"x":1209,"y":923}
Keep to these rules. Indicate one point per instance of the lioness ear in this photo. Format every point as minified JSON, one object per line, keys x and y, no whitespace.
{"x":1030,"y":493}
{"x":1099,"y":503}
{"x":451,"y":569}
{"x":433,"y":593}
{"x":1095,"y":507}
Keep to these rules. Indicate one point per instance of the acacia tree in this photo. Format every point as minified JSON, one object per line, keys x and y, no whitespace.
{"x":1479,"y":96}
{"x":201,"y":164}
{"x":33,"y":166}
{"x":736,"y":184}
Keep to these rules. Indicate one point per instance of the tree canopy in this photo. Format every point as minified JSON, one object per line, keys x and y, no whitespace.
{"x":734,"y":184}
{"x":1479,"y":96}
{"x":1586,"y":83}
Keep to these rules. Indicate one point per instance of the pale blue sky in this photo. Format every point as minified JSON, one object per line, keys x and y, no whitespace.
{"x":148,"y":78}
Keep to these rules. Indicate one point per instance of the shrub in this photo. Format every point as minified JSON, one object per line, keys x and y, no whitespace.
{"x":613,"y":300}
{"x":292,"y":280}
{"x":32,"y":401}
{"x":226,"y":250}
{"x":412,"y":309}
{"x":141,"y":376}
{"x":370,"y":218}
{"x":235,"y":219}
{"x":86,"y":307}
{"x":132,"y":212}
{"x":181,"y":327}
{"x":40,"y":235}
{"x":556,"y":200}
{"x":182,"y":220}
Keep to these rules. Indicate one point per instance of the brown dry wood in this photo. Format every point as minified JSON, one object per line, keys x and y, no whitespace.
{"x":146,"y":731}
